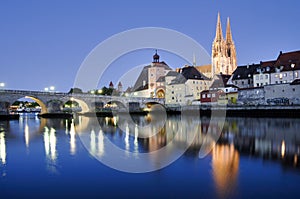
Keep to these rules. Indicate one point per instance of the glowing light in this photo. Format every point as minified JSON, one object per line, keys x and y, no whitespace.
{"x":52,"y":139}
{"x":72,"y":139}
{"x":93,"y":142}
{"x":100,"y":143}
{"x":26,"y":134}
{"x":46,"y":89}
{"x":282,"y":148}
{"x":136,"y":134}
{"x":52,"y":88}
{"x":126,"y":139}
{"x":2,"y":148}
{"x":46,"y":141}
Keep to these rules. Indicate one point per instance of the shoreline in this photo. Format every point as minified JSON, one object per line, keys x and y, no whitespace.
{"x":203,"y":111}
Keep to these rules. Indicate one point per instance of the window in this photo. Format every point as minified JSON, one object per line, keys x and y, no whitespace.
{"x":280,"y":75}
{"x":266,"y":76}
{"x":257,"y":84}
{"x":203,"y":95}
{"x":261,"y":77}
{"x":242,"y":82}
{"x":172,"y":92}
{"x":276,"y":75}
{"x":172,"y":98}
{"x":213,"y":95}
{"x":256,"y":77}
{"x":296,"y":74}
{"x":294,"y":89}
{"x":208,"y":95}
{"x":284,"y":75}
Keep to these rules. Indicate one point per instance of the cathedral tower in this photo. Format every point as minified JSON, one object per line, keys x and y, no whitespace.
{"x":223,"y":51}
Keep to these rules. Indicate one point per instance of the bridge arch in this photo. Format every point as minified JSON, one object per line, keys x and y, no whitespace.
{"x":40,"y":102}
{"x":84,"y":106}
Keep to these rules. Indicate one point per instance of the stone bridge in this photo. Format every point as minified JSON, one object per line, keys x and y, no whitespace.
{"x":53,"y":102}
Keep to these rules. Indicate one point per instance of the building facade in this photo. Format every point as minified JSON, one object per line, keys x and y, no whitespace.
{"x":223,"y":51}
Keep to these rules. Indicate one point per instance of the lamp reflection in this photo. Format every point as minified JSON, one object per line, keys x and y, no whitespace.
{"x":2,"y":148}
{"x":26,"y":134}
{"x":225,"y":166}
{"x":93,"y":142}
{"x":126,"y":139}
{"x":282,"y":148}
{"x":97,"y":143}
{"x":72,"y":139}
{"x":50,"y":143}
{"x":100,"y":143}
{"x":136,"y":134}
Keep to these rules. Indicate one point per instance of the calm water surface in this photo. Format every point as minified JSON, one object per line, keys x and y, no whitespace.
{"x":56,"y":158}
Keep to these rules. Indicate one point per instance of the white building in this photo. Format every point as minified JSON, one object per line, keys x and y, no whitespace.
{"x":186,"y":86}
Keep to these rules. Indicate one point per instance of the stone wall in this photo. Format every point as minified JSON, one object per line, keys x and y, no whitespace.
{"x":282,"y":94}
{"x":253,"y":96}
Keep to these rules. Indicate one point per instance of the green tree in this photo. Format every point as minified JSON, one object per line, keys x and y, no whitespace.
{"x":75,"y":90}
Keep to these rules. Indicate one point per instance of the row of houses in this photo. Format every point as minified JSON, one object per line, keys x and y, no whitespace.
{"x":269,"y":82}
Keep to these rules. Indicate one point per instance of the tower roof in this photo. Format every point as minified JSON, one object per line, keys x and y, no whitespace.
{"x":219,"y":34}
{"x":228,"y":32}
{"x":155,"y":57}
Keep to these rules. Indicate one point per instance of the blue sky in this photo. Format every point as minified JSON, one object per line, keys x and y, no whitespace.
{"x":43,"y":43}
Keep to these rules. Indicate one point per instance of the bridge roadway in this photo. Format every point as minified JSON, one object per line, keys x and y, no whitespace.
{"x":52,"y":102}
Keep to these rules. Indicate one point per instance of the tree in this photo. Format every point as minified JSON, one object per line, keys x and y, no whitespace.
{"x":75,"y":90}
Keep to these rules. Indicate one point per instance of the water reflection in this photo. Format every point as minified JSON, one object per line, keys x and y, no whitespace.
{"x":50,"y":148}
{"x":72,"y":138}
{"x":225,"y":167}
{"x":2,"y":148}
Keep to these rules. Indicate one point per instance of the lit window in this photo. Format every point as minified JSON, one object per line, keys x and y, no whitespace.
{"x":203,"y":95}
{"x":284,"y":75}
{"x":296,"y":74}
{"x":276,"y":75}
{"x":280,"y":75}
{"x":208,"y":95}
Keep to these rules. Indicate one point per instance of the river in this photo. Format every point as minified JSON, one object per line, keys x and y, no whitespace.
{"x":172,"y":157}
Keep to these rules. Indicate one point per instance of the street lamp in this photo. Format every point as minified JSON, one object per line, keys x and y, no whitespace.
{"x":52,"y":88}
{"x":293,"y":66}
{"x":2,"y":84}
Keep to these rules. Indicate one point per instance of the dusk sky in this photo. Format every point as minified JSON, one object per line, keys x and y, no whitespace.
{"x":43,"y":43}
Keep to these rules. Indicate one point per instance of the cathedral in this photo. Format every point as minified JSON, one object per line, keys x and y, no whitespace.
{"x":223,"y":51}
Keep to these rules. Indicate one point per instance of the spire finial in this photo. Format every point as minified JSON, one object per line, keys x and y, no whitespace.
{"x":194,"y":60}
{"x":228,"y":32}
{"x":219,"y":34}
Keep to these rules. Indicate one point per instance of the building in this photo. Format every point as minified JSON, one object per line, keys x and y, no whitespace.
{"x":286,"y":68}
{"x":242,"y":77}
{"x":186,"y":86}
{"x":150,"y":82}
{"x":262,"y":75}
{"x":223,"y":51}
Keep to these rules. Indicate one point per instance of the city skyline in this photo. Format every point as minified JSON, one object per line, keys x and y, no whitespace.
{"x":44,"y":44}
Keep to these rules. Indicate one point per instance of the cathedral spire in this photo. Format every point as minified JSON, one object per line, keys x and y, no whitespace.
{"x":228,"y":32}
{"x":219,"y":34}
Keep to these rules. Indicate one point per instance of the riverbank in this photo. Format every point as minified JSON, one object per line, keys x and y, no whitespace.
{"x":10,"y":117}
